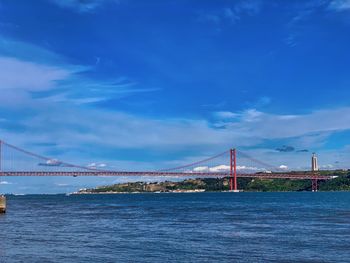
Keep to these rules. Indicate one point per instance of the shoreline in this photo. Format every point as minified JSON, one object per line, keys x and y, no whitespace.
{"x":124,"y":193}
{"x":156,"y":192}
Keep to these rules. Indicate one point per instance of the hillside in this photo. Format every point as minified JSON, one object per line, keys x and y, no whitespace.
{"x":341,"y":183}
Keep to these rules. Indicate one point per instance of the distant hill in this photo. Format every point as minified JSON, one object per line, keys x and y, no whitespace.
{"x":340,"y":183}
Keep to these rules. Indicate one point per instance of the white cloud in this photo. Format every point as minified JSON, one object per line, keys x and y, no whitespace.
{"x":201,"y":169}
{"x":21,"y":78}
{"x":5,"y":182}
{"x":65,"y":98}
{"x":62,"y":184}
{"x":24,"y":75}
{"x":251,"y":115}
{"x":340,"y":5}
{"x":28,"y":52}
{"x":82,"y":6}
{"x":219,"y":168}
{"x":80,"y":129}
{"x":273,"y":126}
{"x":97,"y":165}
{"x":287,"y":117}
{"x":222,"y":168}
{"x":214,"y":169}
{"x":283,"y":167}
{"x":225,"y":115}
{"x":28,"y":70}
{"x":250,"y":7}
{"x":232,"y":14}
{"x":76,"y":128}
{"x":243,"y":168}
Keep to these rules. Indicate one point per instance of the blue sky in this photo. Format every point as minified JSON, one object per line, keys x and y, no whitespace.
{"x":134,"y":84}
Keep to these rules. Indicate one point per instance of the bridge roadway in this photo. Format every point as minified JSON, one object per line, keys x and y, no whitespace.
{"x":292,"y":175}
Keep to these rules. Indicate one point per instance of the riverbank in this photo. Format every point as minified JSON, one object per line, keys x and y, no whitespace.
{"x":82,"y":192}
{"x":340,"y":182}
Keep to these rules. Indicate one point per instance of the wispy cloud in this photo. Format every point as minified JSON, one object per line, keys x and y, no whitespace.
{"x":226,"y":115}
{"x":340,"y":5}
{"x":83,"y":6}
{"x":292,"y":39}
{"x":23,"y":75}
{"x":61,"y":89}
{"x":281,"y":126}
{"x":45,"y":77}
{"x":5,"y":182}
{"x":21,"y":78}
{"x":34,"y":79}
{"x":62,"y":184}
{"x":232,"y":14}
{"x":24,"y":51}
{"x":76,"y":131}
{"x":259,"y":102}
{"x":250,"y":7}
{"x":97,"y":165}
{"x":304,"y":12}
{"x":225,"y":168}
{"x":155,"y":94}
{"x":283,"y":167}
{"x":81,"y":90}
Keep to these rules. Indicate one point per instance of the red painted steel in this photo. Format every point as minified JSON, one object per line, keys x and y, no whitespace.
{"x":88,"y":171}
{"x":235,"y":169}
{"x":231,"y":170}
{"x":297,"y":176}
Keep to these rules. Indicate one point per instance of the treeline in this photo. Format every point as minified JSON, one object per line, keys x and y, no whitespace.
{"x":341,"y":183}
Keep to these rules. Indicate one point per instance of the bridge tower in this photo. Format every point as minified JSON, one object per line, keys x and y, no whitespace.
{"x":233,"y":170}
{"x":314,"y":170}
{"x":2,"y":197}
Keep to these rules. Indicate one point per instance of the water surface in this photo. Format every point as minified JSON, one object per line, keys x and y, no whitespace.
{"x":200,"y":227}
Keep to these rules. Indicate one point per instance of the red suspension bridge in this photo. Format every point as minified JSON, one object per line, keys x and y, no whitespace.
{"x":15,"y":161}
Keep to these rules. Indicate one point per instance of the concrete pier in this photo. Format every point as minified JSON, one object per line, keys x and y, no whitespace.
{"x":2,"y":204}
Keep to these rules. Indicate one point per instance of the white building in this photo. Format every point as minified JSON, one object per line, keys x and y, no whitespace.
{"x":314,"y":165}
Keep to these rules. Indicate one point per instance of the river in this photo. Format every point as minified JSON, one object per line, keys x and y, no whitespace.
{"x":187,"y":227}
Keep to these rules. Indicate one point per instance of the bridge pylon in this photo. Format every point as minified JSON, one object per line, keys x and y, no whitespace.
{"x":233,"y":170}
{"x":314,"y":184}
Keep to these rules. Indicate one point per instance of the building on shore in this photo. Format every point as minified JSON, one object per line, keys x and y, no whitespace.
{"x":314,"y":164}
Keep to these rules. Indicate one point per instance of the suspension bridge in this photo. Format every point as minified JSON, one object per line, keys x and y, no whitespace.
{"x":15,"y":161}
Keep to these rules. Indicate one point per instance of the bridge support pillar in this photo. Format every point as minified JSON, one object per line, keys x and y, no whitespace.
{"x":314,"y":185}
{"x":233,"y":170}
{"x":2,"y":197}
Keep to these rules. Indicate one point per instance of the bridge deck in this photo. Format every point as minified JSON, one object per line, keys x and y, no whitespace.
{"x":300,"y":176}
